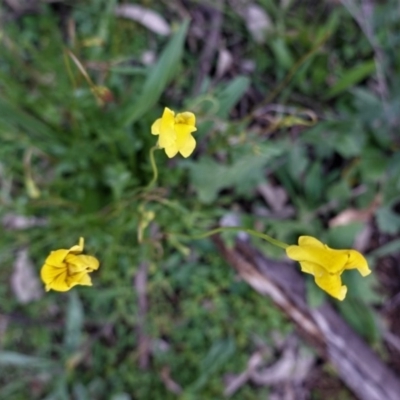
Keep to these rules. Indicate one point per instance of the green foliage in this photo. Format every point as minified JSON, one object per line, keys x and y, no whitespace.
{"x":209,"y":177}
{"x":352,"y":77}
{"x":159,"y":77}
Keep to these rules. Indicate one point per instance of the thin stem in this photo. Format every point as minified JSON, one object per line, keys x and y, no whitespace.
{"x":153,"y":167}
{"x":81,"y":68}
{"x":268,"y":238}
{"x":69,"y":71}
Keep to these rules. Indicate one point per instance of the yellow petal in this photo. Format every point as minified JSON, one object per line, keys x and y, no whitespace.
{"x":171,"y":150}
{"x":186,"y":118}
{"x":85,"y":280}
{"x":166,"y":129}
{"x":183,"y":130}
{"x":310,"y":268}
{"x":184,"y":140}
{"x":81,"y":263}
{"x":48,"y":272}
{"x":332,"y":284}
{"x":310,"y":241}
{"x":168,"y":114}
{"x":155,"y":128}
{"x":64,"y":269}
{"x":167,"y":121}
{"x":167,"y":140}
{"x":357,"y":261}
{"x":80,"y":278}
{"x":331,"y":260}
{"x":59,"y":283}
{"x":78,"y":248}
{"x":56,"y":258}
{"x":188,"y":147}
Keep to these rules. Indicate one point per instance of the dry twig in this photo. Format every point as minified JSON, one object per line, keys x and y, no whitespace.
{"x":357,"y":365}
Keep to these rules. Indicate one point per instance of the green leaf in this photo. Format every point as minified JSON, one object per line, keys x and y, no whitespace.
{"x":231,"y":94}
{"x":362,"y":287}
{"x":117,"y":177}
{"x":226,"y":97}
{"x":281,"y":53}
{"x":121,"y":396}
{"x":349,"y":143}
{"x":16,"y":117}
{"x":339,"y":191}
{"x":60,"y":391}
{"x":74,"y":323}
{"x":373,"y":164}
{"x":209,"y":177}
{"x":352,"y":77}
{"x":11,"y":358}
{"x":297,"y":163}
{"x":360,"y":317}
{"x":160,"y":76}
{"x":220,"y":352}
{"x":341,"y":237}
{"x":387,"y":249}
{"x":315,"y":296}
{"x":314,"y":183}
{"x":387,"y":220}
{"x":347,"y":137}
{"x":80,"y":392}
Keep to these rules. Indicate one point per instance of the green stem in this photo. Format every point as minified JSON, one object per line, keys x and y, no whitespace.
{"x":153,"y":167}
{"x":69,"y":71}
{"x":268,"y":238}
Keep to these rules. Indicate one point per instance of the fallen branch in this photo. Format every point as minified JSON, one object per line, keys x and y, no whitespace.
{"x":357,"y":365}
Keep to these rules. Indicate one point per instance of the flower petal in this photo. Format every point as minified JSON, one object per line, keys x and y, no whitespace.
{"x":166,"y":138}
{"x":56,"y":258}
{"x":331,"y":260}
{"x":155,"y":128}
{"x":188,"y":147}
{"x":310,"y":268}
{"x":49,"y":272}
{"x":310,"y":241}
{"x":332,"y":284}
{"x":171,"y":150}
{"x":59,"y":283}
{"x":78,"y":248}
{"x":357,"y":261}
{"x":80,"y":278}
{"x":327,"y":264}
{"x":186,"y":118}
{"x":166,"y":129}
{"x":183,"y":130}
{"x":184,"y":140}
{"x":81,"y":263}
{"x":168,"y":115}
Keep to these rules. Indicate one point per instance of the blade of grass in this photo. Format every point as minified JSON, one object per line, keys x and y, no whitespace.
{"x":19,"y":118}
{"x":231,"y":94}
{"x":11,"y":358}
{"x":158,"y":78}
{"x":351,"y":78}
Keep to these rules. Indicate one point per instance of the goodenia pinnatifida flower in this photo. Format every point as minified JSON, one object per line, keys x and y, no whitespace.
{"x":63,"y":269}
{"x":326,"y":264}
{"x":175,"y":132}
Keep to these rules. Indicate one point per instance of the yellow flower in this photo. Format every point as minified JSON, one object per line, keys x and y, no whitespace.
{"x":327,"y":264}
{"x":175,"y":132}
{"x":64,"y":269}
